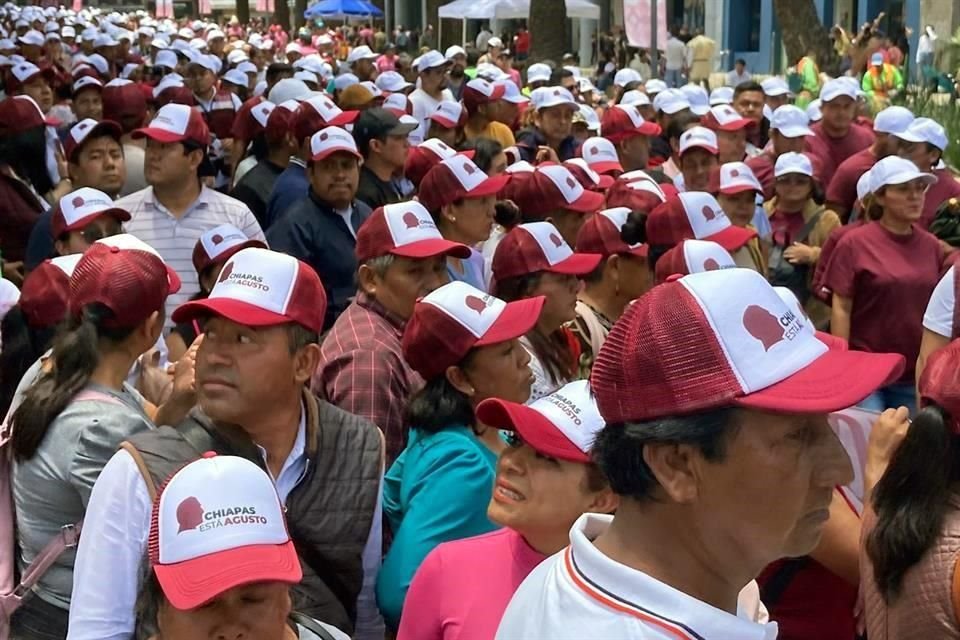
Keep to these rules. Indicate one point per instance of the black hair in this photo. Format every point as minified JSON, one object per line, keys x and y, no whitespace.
{"x":259,"y":147}
{"x":634,"y":231}
{"x":298,"y":337}
{"x":438,"y":405}
{"x":680,"y":123}
{"x":559,"y":73}
{"x":484,"y":151}
{"x":277,"y":69}
{"x":912,"y":498}
{"x":618,"y":448}
{"x":552,"y":350}
{"x":744,"y":87}
{"x":22,"y":346}
{"x":507,"y":214}
{"x":740,"y":61}
{"x":76,"y":354}
{"x":630,"y":86}
{"x":26,"y":153}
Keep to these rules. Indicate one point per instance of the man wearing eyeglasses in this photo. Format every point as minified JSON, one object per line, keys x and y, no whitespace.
{"x":95,"y":160}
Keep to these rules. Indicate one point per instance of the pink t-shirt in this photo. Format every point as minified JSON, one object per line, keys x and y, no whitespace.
{"x":463,"y":587}
{"x":833,"y":151}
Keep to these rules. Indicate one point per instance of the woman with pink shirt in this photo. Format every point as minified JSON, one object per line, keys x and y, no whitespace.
{"x":545,"y":481}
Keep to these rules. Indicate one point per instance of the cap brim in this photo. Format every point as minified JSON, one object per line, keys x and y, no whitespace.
{"x":700,"y":110}
{"x":160,"y":135}
{"x":736,"y":125}
{"x":578,"y":264}
{"x":518,"y":99}
{"x":795,"y":132}
{"x":606,"y":181}
{"x":705,"y":147}
{"x":533,"y":427}
{"x":907,"y":176}
{"x":733,"y":237}
{"x":834,"y":381}
{"x":329,"y":152}
{"x":516,"y":319}
{"x":347,"y":117}
{"x":589,"y":202}
{"x":489,"y":187}
{"x":403,"y":129}
{"x":192,"y":583}
{"x":440,"y":120}
{"x":237,"y":311}
{"x":120,"y":214}
{"x":605,"y":166}
{"x":738,"y":188}
{"x":832,"y":341}
{"x":431,"y":248}
{"x":173,"y":279}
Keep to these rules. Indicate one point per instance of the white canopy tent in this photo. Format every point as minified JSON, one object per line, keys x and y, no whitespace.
{"x":508,"y":9}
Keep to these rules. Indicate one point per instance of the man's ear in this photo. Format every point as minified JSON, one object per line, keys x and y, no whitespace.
{"x":306,"y":362}
{"x":367,"y":280}
{"x":675,"y":468}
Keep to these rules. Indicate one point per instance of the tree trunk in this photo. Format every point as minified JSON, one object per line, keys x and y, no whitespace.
{"x":243,"y":11}
{"x":282,"y":13}
{"x":801,"y":30}
{"x":548,"y":30}
{"x":300,"y":7}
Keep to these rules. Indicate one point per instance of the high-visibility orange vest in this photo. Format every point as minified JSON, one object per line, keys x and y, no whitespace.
{"x":883,"y":81}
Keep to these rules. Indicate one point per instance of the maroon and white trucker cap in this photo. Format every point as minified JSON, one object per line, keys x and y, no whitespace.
{"x":404,"y":229}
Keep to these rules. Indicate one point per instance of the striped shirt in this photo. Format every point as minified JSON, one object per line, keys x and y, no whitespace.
{"x":174,"y":238}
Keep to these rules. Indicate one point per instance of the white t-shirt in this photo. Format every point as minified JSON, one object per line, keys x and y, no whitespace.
{"x":581,"y":593}
{"x":423,"y":107}
{"x":675,"y":53}
{"x":939,"y":315}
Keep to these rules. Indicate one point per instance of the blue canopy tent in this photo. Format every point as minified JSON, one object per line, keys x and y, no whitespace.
{"x":341,"y":9}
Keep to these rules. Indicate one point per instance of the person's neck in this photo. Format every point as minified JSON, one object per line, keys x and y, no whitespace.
{"x":603,"y":300}
{"x":895,"y":226}
{"x":276,"y":432}
{"x":553,"y":143}
{"x":836,"y":134}
{"x":452,"y":234}
{"x":208,"y":94}
{"x":379,"y":168}
{"x":178,"y":198}
{"x":478,"y":122}
{"x":547,"y":542}
{"x":667,"y":550}
{"x":435,"y":93}
{"x":279,"y":157}
{"x":790,"y":206}
{"x":112,"y":369}
{"x":546,"y":326}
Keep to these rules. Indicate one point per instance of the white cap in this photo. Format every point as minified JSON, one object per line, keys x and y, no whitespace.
{"x":306,"y":76}
{"x":454,"y":51}
{"x":893,"y":120}
{"x":705,"y":255}
{"x":736,"y":177}
{"x":396,"y":102}
{"x":813,"y":111}
{"x":698,"y":98}
{"x":293,"y":47}
{"x":68,"y":32}
{"x":790,"y":122}
{"x":775,"y":86}
{"x":925,"y":130}
{"x":585,"y":86}
{"x":654,"y":86}
{"x":237,"y":77}
{"x":495,"y":42}
{"x":876,"y":59}
{"x":199,"y":44}
{"x":863,"y":186}
{"x":636,"y":98}
{"x":247,"y":67}
{"x":539,"y":72}
{"x":32,"y":37}
{"x":166,"y":58}
{"x":447,"y":114}
{"x":793,"y":162}
{"x":83,"y":205}
{"x":213,"y":34}
{"x":168,"y":81}
{"x":546,"y":97}
{"x":345,"y":80}
{"x":699,"y":138}
{"x":896,"y":170}
{"x":625,"y":76}
{"x":721,"y":95}
{"x":836,"y":88}
{"x":53,"y":37}
{"x":209,"y":62}
{"x":331,"y":140}
{"x":86,"y":81}
{"x":261,"y":113}
{"x":590,"y":117}
{"x":237,"y":55}
{"x":671,"y":101}
{"x":290,"y":89}
{"x":600,"y":153}
{"x":430,"y":60}
{"x":104,"y":40}
{"x":392,"y":81}
{"x":362,"y":52}
{"x":323,"y":40}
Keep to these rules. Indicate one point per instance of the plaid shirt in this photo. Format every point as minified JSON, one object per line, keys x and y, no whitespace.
{"x":362,"y":369}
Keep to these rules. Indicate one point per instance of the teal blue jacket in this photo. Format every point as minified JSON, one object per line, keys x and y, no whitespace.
{"x":436,"y":491}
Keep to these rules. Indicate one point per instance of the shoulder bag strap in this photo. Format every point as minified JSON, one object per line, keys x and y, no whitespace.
{"x":311,"y":625}
{"x":142,"y":466}
{"x":809,"y":225}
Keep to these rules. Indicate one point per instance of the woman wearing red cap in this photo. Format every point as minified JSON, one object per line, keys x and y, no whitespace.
{"x":890,"y":263}
{"x":533,"y":260}
{"x":461,"y":199}
{"x":545,"y":481}
{"x":77,"y":413}
{"x":465,"y":345}
{"x":623,"y":276}
{"x":908,"y":553}
{"x":211,"y":252}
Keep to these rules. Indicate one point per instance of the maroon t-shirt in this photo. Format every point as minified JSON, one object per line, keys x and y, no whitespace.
{"x":943,"y":189}
{"x":816,"y":603}
{"x":833,"y":151}
{"x":762,"y":167}
{"x":843,"y":186}
{"x":786,"y":227}
{"x":889,"y":278}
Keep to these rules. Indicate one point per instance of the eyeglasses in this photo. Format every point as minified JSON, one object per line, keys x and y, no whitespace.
{"x":94,"y":232}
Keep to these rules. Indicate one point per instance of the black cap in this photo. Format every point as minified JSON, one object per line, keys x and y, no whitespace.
{"x":377,"y":123}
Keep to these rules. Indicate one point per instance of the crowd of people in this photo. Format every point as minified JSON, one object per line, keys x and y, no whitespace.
{"x":301,"y":341}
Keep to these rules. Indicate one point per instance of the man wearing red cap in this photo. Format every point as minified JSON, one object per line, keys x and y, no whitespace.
{"x":751,"y":389}
{"x":630,"y":132}
{"x":125,"y":104}
{"x":402,"y":257}
{"x":321,"y":227}
{"x":173,"y":212}
{"x":261,"y":326}
{"x":255,"y":186}
{"x":731,"y":129}
{"x":480,"y":98}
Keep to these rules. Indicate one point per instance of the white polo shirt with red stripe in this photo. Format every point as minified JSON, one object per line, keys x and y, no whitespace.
{"x":581,"y":593}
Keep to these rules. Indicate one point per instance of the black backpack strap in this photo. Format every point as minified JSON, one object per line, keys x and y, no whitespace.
{"x":773,"y":588}
{"x":310,"y":625}
{"x":809,"y":225}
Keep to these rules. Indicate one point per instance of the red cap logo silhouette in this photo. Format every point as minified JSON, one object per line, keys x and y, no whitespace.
{"x":711,"y":265}
{"x":468,"y":167}
{"x":323,"y":136}
{"x":217,"y":238}
{"x":762,"y":325}
{"x":555,"y":239}
{"x":77,"y":202}
{"x":189,"y":514}
{"x":225,"y":273}
{"x":328,"y":104}
{"x":411,"y":220}
{"x":594,"y":150}
{"x":571,"y":182}
{"x":708,"y":212}
{"x":476,"y":304}
{"x":734,"y":173}
{"x":265,"y":110}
